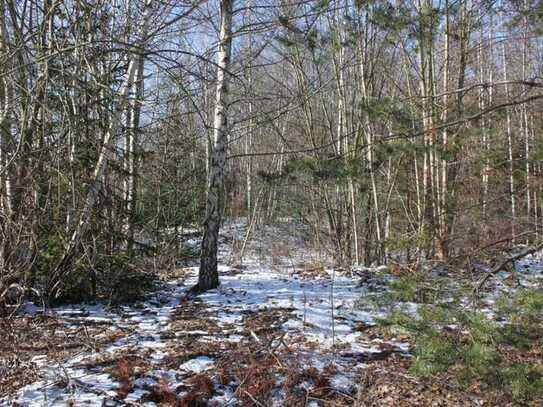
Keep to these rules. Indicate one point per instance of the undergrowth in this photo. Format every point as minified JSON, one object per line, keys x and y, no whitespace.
{"x":450,"y":334}
{"x":114,"y":279}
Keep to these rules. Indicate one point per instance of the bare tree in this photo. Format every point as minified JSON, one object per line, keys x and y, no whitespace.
{"x":208,"y":276}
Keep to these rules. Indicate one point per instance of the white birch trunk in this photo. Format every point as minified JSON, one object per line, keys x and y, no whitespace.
{"x":5,"y":127}
{"x":525,"y":126}
{"x":509,"y":150}
{"x":208,"y":276}
{"x":132,"y":149}
{"x":445,"y":118}
{"x":484,"y":131}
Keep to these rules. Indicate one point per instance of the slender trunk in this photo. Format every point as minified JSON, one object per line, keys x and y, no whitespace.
{"x":484,"y":130}
{"x":387,"y":207}
{"x":425,"y":43}
{"x":5,"y":125}
{"x":249,"y":163}
{"x":525,"y":125}
{"x":208,"y":276}
{"x":367,"y":128}
{"x":344,"y":197}
{"x":132,"y":150}
{"x":536,"y":171}
{"x":445,"y":218}
{"x":249,"y":136}
{"x":509,"y":133}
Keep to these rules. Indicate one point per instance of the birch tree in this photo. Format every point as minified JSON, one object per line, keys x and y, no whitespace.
{"x":208,"y":276}
{"x":5,"y":134}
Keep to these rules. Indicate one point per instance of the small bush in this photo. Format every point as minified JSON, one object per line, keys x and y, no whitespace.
{"x":524,"y":313}
{"x":449,"y":337}
{"x":112,"y":278}
{"x":433,"y":355}
{"x":525,"y":381}
{"x":129,"y":285}
{"x":417,"y":287}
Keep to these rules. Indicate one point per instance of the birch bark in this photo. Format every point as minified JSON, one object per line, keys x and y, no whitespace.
{"x":208,"y":276}
{"x":5,"y":181}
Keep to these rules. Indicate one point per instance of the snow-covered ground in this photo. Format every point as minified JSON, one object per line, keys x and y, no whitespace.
{"x":79,"y":382}
{"x":268,"y":301}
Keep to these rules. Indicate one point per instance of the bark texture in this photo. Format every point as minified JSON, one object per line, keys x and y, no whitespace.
{"x":208,"y":276}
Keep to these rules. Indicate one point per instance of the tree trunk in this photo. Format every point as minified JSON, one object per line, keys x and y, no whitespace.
{"x":5,"y":133}
{"x":132,"y":151}
{"x":208,"y":277}
{"x":5,"y":184}
{"x":509,"y":150}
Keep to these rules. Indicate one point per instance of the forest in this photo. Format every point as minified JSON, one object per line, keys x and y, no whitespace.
{"x":271,"y":203}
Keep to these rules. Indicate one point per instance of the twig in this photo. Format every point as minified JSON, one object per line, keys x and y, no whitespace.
{"x":272,"y":354}
{"x":253,"y":334}
{"x":258,"y":403}
{"x":252,"y":222}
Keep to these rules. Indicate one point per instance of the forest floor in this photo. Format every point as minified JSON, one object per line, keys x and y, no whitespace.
{"x":282,"y":329}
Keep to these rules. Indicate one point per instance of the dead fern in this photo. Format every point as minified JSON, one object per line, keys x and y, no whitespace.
{"x":162,"y":393}
{"x":124,"y":374}
{"x":201,"y":391}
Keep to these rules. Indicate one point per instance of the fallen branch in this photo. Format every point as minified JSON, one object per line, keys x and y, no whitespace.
{"x":479,"y":249}
{"x":504,"y":263}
